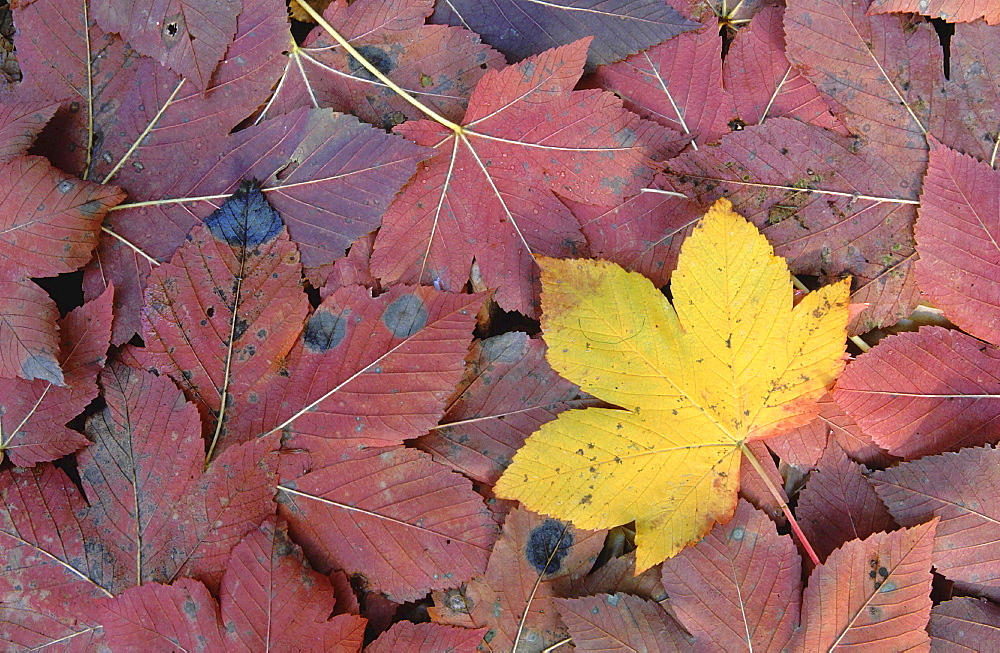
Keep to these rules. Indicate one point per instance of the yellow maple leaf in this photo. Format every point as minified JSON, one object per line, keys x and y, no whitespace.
{"x":730,"y":361}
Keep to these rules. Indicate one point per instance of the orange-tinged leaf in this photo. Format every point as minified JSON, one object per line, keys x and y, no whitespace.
{"x":732,"y":361}
{"x":872,"y":594}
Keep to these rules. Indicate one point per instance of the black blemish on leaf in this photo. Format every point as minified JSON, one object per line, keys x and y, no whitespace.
{"x":379,"y":58}
{"x":405,"y":316}
{"x":239,"y":328}
{"x":548,"y":544}
{"x":324,"y":331}
{"x":245,"y":219}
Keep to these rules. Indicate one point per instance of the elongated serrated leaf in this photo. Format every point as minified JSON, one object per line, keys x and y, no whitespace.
{"x":838,"y":504}
{"x":50,"y":593}
{"x":49,"y":221}
{"x":960,"y":220}
{"x":762,"y":82}
{"x":227,"y":309}
{"x":677,"y":84}
{"x":619,"y":621}
{"x":35,"y":413}
{"x":436,"y":64}
{"x":734,"y":362}
{"x":872,"y":592}
{"x":964,"y":624}
{"x":877,"y":73}
{"x":154,"y":514}
{"x":508,"y":391}
{"x":827,"y":203}
{"x":67,"y":58}
{"x":405,"y":523}
{"x":155,"y":616}
{"x":966,"y":109}
{"x":150,"y":119}
{"x":367,"y":370}
{"x":642,"y":234}
{"x":803,"y":446}
{"x":29,"y":344}
{"x":958,"y":488}
{"x":407,"y":636}
{"x":271,"y":598}
{"x":925,"y":392}
{"x":20,"y":123}
{"x":754,"y":574}
{"x":188,"y":36}
{"x":519,"y":28}
{"x":489,"y":193}
{"x":954,"y":11}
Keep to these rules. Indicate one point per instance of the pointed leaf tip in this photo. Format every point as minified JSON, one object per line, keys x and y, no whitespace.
{"x":246,"y":219}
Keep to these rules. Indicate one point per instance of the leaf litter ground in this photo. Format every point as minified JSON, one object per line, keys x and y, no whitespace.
{"x":279,"y":425}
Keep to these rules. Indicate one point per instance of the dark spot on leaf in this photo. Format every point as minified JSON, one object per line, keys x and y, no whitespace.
{"x":548,"y":544}
{"x":210,"y":311}
{"x":324,"y":331}
{"x":405,"y":316}
{"x":737,"y":125}
{"x":172,"y":29}
{"x":239,"y":328}
{"x":246,"y":219}
{"x":377,"y":57}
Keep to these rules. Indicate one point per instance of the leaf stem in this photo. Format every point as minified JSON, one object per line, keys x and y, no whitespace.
{"x":781,"y":502}
{"x":430,"y":113}
{"x":135,"y":248}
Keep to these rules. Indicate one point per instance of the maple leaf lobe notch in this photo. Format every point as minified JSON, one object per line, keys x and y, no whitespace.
{"x":246,"y":219}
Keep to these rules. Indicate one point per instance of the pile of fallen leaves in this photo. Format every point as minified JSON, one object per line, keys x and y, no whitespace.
{"x":500,"y":324}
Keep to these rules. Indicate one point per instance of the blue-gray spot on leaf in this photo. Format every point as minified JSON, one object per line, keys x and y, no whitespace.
{"x":245,"y":219}
{"x":405,"y":316}
{"x":324,"y":331}
{"x":41,"y":366}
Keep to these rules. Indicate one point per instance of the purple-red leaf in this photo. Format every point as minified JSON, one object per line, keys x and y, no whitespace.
{"x":188,"y":36}
{"x":438,"y":65}
{"x":49,"y":221}
{"x":838,"y":504}
{"x":509,"y":390}
{"x":67,"y":58}
{"x":407,"y":636}
{"x":965,"y":624}
{"x":489,"y":192}
{"x":519,"y":28}
{"x":609,"y":622}
{"x":954,"y":11}
{"x":761,"y":81}
{"x":29,"y":345}
{"x":53,"y":572}
{"x":154,"y":513}
{"x":678,"y":84}
{"x":754,"y":576}
{"x":35,"y":413}
{"x":877,"y":73}
{"x":330,"y":176}
{"x":271,"y":598}
{"x":924,"y":392}
{"x":406,"y":524}
{"x":827,"y":203}
{"x":370,"y":370}
{"x":152,"y":118}
{"x":803,"y":446}
{"x":871,"y":593}
{"x":157,"y":617}
{"x":957,"y":233}
{"x":960,"y":488}
{"x":20,"y":123}
{"x":226,"y":310}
